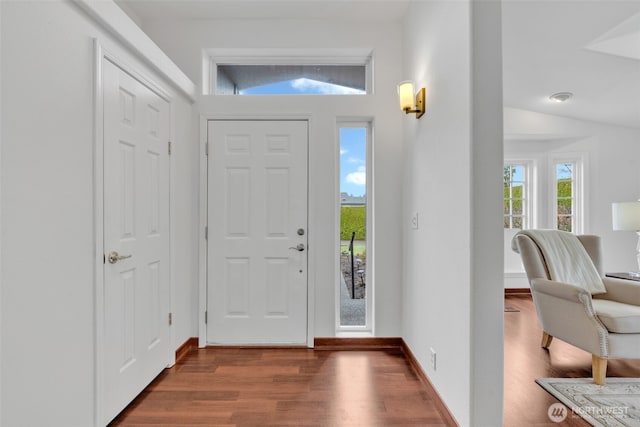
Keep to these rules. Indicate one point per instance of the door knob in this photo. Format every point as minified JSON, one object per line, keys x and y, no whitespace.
{"x":115,"y":257}
{"x":298,"y":248}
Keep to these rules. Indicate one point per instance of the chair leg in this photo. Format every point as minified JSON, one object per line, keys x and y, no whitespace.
{"x":546,"y":340}
{"x":599,"y":369}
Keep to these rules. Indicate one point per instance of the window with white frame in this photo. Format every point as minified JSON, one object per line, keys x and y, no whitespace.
{"x":287,"y":79}
{"x":567,"y":194}
{"x":517,"y":195}
{"x":354,"y":287}
{"x":288,"y":71}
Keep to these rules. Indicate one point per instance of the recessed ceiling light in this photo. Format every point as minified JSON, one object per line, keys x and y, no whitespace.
{"x":560,"y":96}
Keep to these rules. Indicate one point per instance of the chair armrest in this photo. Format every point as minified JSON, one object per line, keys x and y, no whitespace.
{"x":566,"y":312}
{"x":620,"y":290}
{"x":561,"y":290}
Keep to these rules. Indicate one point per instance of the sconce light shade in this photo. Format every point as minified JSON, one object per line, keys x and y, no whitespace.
{"x":626,"y":216}
{"x":405,"y":93}
{"x":410,"y":102}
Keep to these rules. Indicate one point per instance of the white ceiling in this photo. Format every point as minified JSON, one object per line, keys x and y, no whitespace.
{"x":350,"y":10}
{"x":588,"y":47}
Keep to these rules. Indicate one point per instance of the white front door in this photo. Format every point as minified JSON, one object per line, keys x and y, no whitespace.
{"x":136,"y":237}
{"x":257,"y":232}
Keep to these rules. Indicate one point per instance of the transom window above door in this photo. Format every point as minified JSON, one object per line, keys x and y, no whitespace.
{"x":288,"y":72}
{"x":291,"y":80}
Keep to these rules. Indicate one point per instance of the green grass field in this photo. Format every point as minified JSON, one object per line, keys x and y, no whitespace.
{"x":353,"y":218}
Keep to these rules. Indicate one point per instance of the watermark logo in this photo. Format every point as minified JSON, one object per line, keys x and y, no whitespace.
{"x":603,"y":412}
{"x":557,"y":412}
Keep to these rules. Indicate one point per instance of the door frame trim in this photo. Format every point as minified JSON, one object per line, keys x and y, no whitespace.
{"x":103,"y":50}
{"x":204,"y":190}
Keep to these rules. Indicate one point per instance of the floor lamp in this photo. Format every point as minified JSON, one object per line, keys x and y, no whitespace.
{"x":626,"y":217}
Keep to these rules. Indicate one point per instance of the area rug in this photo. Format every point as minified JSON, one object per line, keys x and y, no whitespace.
{"x":615,"y":404}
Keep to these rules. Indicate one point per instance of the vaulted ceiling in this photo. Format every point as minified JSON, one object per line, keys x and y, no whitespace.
{"x":350,"y":10}
{"x":590,"y":48}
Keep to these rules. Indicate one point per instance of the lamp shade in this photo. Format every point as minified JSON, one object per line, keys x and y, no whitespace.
{"x":406,"y":95}
{"x":626,"y":216}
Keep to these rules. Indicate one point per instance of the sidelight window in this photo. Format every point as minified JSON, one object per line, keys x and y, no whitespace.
{"x":355,"y":281}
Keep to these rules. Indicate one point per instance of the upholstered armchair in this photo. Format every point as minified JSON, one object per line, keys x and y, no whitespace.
{"x":605,"y":323}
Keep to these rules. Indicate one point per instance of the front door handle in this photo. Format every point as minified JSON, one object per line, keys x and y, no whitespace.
{"x":115,"y":257}
{"x":298,"y":248}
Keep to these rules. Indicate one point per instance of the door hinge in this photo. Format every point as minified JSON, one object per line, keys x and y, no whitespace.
{"x":206,"y":148}
{"x":170,"y":319}
{"x":169,"y":147}
{"x":206,"y":233}
{"x":206,"y":317}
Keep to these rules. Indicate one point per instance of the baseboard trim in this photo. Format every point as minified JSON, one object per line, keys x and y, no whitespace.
{"x":255,"y":346}
{"x":186,"y":347}
{"x":431,"y":391}
{"x":365,"y":343}
{"x":517,"y":291}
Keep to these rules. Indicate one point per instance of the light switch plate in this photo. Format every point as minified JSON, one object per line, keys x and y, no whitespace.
{"x":433,"y":358}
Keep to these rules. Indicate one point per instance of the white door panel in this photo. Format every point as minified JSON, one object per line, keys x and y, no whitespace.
{"x":136,"y":226}
{"x":257,"y":202}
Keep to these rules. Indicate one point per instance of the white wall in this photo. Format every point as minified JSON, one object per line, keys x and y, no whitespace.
{"x":612,"y":171}
{"x":185,"y":181}
{"x":1,"y":139}
{"x":184,"y":44}
{"x":453,"y":263}
{"x":47,"y":232}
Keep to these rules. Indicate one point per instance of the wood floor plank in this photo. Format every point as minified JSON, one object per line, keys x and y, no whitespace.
{"x":525,"y":402}
{"x":271,"y":387}
{"x":291,"y":387}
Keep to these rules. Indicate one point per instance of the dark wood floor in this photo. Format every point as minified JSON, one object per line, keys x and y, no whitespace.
{"x":302,"y":387}
{"x":287,"y":387}
{"x":525,"y":402}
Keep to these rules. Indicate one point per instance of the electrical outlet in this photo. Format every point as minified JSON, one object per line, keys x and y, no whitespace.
{"x":433,"y":359}
{"x":414,"y":221}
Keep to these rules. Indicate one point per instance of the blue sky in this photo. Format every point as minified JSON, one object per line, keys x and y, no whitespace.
{"x":301,"y":87}
{"x":353,"y":161}
{"x":517,"y":174}
{"x":564,"y":170}
{"x":353,"y":141}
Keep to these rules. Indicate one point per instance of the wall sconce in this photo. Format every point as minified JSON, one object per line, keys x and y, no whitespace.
{"x":406,"y":95}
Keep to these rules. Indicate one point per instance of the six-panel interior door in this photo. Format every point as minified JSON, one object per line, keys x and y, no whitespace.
{"x":257,"y":232}
{"x":136,"y":237}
